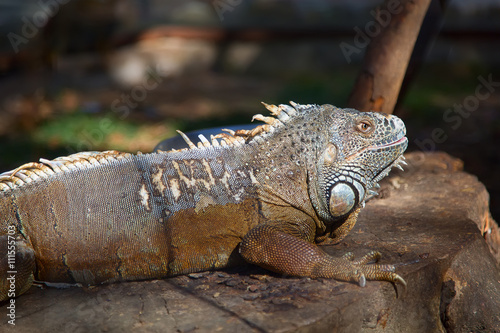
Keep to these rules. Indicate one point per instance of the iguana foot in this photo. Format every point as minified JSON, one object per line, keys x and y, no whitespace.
{"x":270,"y":247}
{"x":17,"y":266}
{"x":348,"y":269}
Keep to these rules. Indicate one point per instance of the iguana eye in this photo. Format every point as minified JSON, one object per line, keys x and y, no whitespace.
{"x":365,"y":127}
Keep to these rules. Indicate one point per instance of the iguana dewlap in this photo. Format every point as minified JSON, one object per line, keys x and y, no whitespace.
{"x":267,"y":195}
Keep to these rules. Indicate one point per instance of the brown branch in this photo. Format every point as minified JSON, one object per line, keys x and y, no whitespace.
{"x":377,"y":85}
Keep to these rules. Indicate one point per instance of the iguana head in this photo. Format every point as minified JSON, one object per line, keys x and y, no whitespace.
{"x":360,"y":150}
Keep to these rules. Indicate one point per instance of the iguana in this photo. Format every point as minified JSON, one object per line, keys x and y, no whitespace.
{"x":266,"y":195}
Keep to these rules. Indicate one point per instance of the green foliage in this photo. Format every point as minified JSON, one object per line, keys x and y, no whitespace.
{"x":70,"y":130}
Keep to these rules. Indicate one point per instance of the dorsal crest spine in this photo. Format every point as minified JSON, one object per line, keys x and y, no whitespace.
{"x":281,"y":115}
{"x":32,"y":171}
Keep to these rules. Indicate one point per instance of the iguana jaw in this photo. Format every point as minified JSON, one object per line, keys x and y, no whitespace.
{"x":382,"y":174}
{"x":401,"y":145}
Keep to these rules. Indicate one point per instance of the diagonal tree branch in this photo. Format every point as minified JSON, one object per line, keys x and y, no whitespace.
{"x":377,"y":85}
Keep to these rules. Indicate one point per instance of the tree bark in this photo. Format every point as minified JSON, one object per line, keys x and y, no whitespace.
{"x":379,"y":82}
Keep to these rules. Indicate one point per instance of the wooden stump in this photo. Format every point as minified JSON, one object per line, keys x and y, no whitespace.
{"x":426,"y":220}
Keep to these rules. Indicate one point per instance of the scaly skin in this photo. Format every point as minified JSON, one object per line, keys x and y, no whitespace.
{"x":266,"y":195}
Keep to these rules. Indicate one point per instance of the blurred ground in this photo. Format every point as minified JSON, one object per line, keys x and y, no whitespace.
{"x":108,"y":75}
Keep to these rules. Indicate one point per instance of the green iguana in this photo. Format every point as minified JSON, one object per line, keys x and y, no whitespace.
{"x":267,"y":195}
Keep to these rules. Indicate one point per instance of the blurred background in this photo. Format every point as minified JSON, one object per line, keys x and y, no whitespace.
{"x":95,"y":75}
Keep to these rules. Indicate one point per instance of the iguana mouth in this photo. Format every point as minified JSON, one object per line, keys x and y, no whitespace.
{"x":401,"y":141}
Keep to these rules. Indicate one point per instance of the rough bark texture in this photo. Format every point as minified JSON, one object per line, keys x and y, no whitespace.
{"x":377,"y":85}
{"x":427,"y":219}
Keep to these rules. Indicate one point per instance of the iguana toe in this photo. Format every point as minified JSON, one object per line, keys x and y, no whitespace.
{"x":366,"y":269}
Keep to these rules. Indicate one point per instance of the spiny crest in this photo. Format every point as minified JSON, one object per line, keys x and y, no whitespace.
{"x":281,"y":115}
{"x":44,"y":168}
{"x":32,"y":171}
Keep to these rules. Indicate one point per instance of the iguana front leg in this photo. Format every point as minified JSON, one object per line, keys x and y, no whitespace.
{"x":280,"y":248}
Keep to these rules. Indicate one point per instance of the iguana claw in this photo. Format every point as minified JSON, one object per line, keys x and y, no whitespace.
{"x":362,"y":280}
{"x":399,"y":279}
{"x":366,"y":269}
